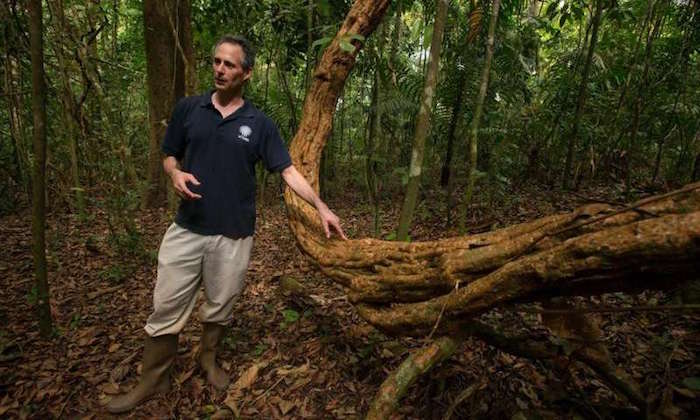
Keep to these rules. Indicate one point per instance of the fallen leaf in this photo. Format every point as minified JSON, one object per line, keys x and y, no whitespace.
{"x":300,"y":370}
{"x":184,"y":376}
{"x":286,"y":406}
{"x":118,"y":373}
{"x":249,"y":376}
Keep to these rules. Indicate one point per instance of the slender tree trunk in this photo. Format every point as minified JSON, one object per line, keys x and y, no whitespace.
{"x":17,"y":129}
{"x":264,"y":176}
{"x":290,"y":99}
{"x":451,"y":130}
{"x":309,"y":42}
{"x":639,"y":103}
{"x":39,"y":181}
{"x":395,"y":42}
{"x":374,"y":140}
{"x":422,"y":124}
{"x":632,"y":66}
{"x":166,"y":82}
{"x":69,"y":108}
{"x":581,"y":103}
{"x":476,"y":118}
{"x":15,"y":105}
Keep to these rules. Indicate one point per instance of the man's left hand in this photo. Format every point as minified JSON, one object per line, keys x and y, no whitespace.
{"x":328,"y":220}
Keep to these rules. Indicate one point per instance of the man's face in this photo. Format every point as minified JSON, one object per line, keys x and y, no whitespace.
{"x":228,"y":70}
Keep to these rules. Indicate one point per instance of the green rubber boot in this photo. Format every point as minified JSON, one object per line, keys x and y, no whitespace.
{"x":158,"y":356}
{"x":211,"y":335}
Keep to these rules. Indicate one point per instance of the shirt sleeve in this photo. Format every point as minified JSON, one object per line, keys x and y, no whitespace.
{"x":273,"y":152}
{"x":175,"y":139}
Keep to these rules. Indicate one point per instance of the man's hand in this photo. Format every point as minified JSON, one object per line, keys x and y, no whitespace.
{"x":328,"y":220}
{"x":180,"y":180}
{"x":299,"y":184}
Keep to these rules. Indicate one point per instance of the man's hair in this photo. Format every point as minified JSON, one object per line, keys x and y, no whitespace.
{"x":248,"y":51}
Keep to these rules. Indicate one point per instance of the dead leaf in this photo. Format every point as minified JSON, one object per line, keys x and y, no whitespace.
{"x":110,"y":388}
{"x":286,"y":406}
{"x":184,"y":376}
{"x":230,"y":402}
{"x":300,"y":370}
{"x":118,"y":373}
{"x":249,"y":376}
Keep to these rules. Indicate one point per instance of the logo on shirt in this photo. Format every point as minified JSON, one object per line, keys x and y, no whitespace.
{"x":244,"y":133}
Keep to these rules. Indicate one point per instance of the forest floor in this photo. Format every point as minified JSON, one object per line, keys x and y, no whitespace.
{"x":302,"y":357}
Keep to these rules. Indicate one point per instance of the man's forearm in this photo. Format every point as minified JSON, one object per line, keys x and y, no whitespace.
{"x":301,"y":186}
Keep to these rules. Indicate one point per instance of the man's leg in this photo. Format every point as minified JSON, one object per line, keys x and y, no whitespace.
{"x":179,"y":274}
{"x":224,"y":269}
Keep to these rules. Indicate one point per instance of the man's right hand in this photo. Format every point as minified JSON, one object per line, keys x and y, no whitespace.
{"x":180,"y":180}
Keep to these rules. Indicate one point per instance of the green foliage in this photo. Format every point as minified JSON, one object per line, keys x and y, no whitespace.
{"x":290,"y":316}
{"x":528,"y":113}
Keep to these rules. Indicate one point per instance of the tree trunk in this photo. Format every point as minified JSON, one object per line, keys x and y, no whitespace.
{"x":69,"y":108}
{"x":451,"y":130}
{"x":165,"y":77}
{"x":375,"y":137}
{"x":39,"y":171}
{"x":422,"y":124}
{"x":395,"y":42}
{"x":17,"y":130}
{"x":639,"y":103}
{"x":632,"y":66}
{"x":15,"y":105}
{"x":581,"y":102}
{"x":476,"y":118}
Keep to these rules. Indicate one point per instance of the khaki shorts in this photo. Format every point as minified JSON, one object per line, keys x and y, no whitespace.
{"x":186,"y":260}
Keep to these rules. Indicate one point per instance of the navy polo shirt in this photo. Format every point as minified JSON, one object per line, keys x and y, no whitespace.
{"x":221,"y":153}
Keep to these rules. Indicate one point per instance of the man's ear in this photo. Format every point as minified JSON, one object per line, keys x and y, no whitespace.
{"x":248,"y":75}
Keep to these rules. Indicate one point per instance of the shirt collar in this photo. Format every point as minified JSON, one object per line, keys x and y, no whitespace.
{"x":247,"y":110}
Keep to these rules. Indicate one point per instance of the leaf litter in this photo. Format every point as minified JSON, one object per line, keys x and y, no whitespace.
{"x":292,"y":356}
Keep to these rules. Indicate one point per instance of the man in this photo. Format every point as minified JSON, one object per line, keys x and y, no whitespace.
{"x":218,"y":137}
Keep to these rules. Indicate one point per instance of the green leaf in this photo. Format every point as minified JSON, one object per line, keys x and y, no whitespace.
{"x":322,"y":42}
{"x":290,"y":315}
{"x":692,"y":382}
{"x":357,"y":37}
{"x":346,"y":46}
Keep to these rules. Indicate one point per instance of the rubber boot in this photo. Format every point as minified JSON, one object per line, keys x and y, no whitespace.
{"x":158,"y":356}
{"x":211,"y":334}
